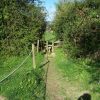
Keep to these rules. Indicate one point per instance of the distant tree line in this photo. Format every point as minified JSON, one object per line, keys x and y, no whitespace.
{"x":78,"y":25}
{"x":22,"y":22}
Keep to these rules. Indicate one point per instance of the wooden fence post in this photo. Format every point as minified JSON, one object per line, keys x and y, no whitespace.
{"x":47,"y":46}
{"x":37,"y":46}
{"x":33,"y":55}
{"x":47,"y":49}
{"x":52,"y":47}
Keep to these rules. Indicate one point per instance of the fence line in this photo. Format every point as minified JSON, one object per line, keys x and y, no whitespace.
{"x":15,"y":68}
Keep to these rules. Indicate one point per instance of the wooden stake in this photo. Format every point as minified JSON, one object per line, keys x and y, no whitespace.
{"x":33,"y":54}
{"x":47,"y":46}
{"x":47,"y":49}
{"x":52,"y":47}
{"x":37,"y":46}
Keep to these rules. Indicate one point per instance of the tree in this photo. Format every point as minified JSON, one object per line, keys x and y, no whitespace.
{"x":60,"y":18}
{"x":78,"y":25}
{"x":21,"y":23}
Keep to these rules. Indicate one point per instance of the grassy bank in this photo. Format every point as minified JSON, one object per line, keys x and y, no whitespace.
{"x":80,"y":72}
{"x":25,"y":83}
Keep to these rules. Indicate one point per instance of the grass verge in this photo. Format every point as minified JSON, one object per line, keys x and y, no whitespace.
{"x":80,"y":71}
{"x":25,"y":83}
{"x":50,"y":36}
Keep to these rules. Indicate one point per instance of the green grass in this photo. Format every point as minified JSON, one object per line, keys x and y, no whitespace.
{"x":80,"y":72}
{"x":49,"y":36}
{"x":25,"y":83}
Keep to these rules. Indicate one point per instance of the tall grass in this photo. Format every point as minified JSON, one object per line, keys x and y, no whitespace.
{"x":79,"y":71}
{"x":49,"y":36}
{"x":25,"y":83}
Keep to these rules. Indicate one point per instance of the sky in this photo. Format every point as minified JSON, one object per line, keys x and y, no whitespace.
{"x":50,"y":7}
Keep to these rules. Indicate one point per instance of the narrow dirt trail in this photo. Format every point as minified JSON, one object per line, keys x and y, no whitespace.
{"x":57,"y":88}
{"x":53,"y":91}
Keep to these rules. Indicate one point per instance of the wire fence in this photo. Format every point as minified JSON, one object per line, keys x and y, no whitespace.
{"x":19,"y":78}
{"x":18,"y":66}
{"x":34,"y":77}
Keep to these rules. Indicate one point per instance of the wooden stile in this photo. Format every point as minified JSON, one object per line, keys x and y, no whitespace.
{"x":33,"y":55}
{"x":52,"y":47}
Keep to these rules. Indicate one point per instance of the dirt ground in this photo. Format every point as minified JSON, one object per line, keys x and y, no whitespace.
{"x":2,"y":98}
{"x":57,"y":87}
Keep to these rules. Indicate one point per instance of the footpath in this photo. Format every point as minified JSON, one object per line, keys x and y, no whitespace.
{"x":57,"y":87}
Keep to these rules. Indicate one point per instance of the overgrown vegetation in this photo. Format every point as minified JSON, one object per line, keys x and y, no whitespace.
{"x":22,"y":22}
{"x":26,"y":83}
{"x":78,"y":25}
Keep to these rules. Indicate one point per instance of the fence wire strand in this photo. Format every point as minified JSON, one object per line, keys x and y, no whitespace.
{"x":15,"y":68}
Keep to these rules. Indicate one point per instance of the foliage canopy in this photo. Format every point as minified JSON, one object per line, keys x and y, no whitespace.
{"x":78,"y":25}
{"x":21,"y":23}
